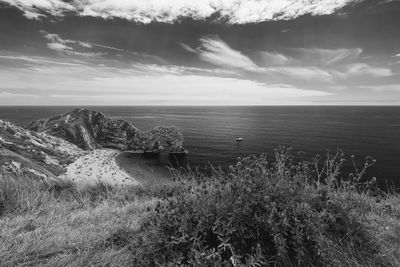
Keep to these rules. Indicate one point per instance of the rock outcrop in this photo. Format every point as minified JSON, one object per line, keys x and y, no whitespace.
{"x":30,"y":154}
{"x":91,"y":129}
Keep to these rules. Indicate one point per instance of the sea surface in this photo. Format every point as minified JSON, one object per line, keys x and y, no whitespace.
{"x":210,"y":132}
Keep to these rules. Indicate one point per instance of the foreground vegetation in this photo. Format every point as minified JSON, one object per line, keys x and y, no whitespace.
{"x":283,"y":213}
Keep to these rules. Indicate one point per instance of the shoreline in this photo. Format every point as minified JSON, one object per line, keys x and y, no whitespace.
{"x":146,"y":170}
{"x":99,"y":165}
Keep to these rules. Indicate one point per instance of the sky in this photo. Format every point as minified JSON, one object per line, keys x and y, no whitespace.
{"x":199,"y":52}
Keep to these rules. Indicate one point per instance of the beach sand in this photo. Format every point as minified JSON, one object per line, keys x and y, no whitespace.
{"x":99,"y":166}
{"x":146,"y":170}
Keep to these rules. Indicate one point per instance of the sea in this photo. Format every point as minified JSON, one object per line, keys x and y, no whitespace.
{"x":210,"y":132}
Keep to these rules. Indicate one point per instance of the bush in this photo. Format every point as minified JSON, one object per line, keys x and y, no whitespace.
{"x":256,"y":214}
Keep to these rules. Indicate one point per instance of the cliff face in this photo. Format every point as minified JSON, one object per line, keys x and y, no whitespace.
{"x":47,"y":146}
{"x":29,"y":154}
{"x":91,"y":129}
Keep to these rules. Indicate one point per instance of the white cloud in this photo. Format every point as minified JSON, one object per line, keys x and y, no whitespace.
{"x":188,"y":48}
{"x":59,"y":47}
{"x":33,"y":8}
{"x":274,"y":59}
{"x":316,"y":64}
{"x":57,"y":43}
{"x":302,"y":73}
{"x":106,"y":47}
{"x":154,"y":69}
{"x":151,"y":85}
{"x":39,"y":60}
{"x":15,"y":95}
{"x":87,"y":45}
{"x":215,"y":51}
{"x":326,"y":57}
{"x":236,"y":11}
{"x":64,"y":46}
{"x":361,"y":69}
{"x":383,"y":88}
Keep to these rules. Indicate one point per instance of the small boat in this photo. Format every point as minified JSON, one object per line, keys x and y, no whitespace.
{"x":238,"y":139}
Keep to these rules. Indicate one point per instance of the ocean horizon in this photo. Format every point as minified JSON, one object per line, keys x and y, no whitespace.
{"x":210,"y":131}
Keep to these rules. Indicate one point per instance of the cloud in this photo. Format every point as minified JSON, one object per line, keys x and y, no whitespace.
{"x":15,"y":95}
{"x":274,"y":59}
{"x":154,"y":69}
{"x":33,"y":8}
{"x":107,"y":47}
{"x":383,"y":88}
{"x":59,"y":47}
{"x":326,"y":57}
{"x":57,"y":43}
{"x":173,"y":90}
{"x":85,"y":49}
{"x":142,"y":84}
{"x":362,"y":69}
{"x":215,"y":51}
{"x":307,"y":73}
{"x":306,"y":65}
{"x":188,"y":48}
{"x":38,"y":60}
{"x":235,"y":11}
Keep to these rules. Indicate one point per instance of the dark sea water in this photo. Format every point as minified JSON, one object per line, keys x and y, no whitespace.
{"x":210,"y":132}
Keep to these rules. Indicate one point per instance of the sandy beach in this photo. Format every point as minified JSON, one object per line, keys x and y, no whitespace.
{"x":147,"y":171}
{"x":99,"y":166}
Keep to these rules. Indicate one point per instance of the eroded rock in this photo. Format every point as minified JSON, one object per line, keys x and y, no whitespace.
{"x":31,"y":154}
{"x":91,"y":129}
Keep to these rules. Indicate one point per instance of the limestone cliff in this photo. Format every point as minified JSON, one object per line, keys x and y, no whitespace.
{"x":30,"y":154}
{"x":91,"y":129}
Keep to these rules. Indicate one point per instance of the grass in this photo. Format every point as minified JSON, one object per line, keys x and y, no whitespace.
{"x":58,"y":224}
{"x":258,"y":213}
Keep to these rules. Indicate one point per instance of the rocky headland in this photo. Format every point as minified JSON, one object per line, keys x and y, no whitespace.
{"x":91,"y":130}
{"x":31,"y":154}
{"x":48,"y":148}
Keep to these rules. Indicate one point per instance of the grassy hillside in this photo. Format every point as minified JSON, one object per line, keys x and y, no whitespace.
{"x":258,"y":213}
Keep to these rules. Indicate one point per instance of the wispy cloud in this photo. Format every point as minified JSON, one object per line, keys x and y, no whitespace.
{"x":154,"y":69}
{"x":314,"y":64}
{"x":236,"y":11}
{"x":383,"y":88}
{"x":71,"y":85}
{"x":188,"y":48}
{"x":39,"y":60}
{"x":8,"y":95}
{"x":361,"y":69}
{"x":307,"y":73}
{"x":274,"y":58}
{"x":34,"y":9}
{"x":215,"y":51}
{"x":57,"y":43}
{"x":326,"y":57}
{"x":87,"y":49}
{"x":107,"y":47}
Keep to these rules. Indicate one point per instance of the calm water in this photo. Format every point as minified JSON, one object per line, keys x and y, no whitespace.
{"x":210,"y":132}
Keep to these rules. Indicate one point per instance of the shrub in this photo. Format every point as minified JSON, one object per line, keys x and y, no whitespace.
{"x":257,"y":214}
